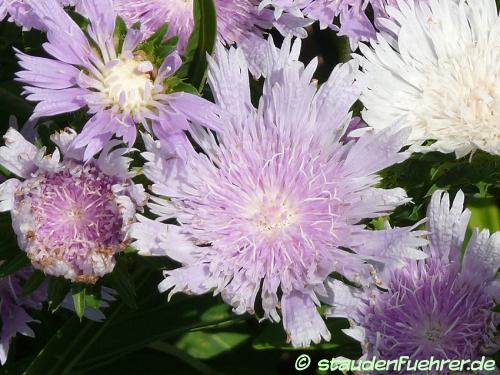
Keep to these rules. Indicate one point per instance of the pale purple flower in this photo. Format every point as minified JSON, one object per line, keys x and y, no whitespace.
{"x":238,"y":21}
{"x":274,"y":202}
{"x":70,"y":217}
{"x":13,"y":306}
{"x":119,"y":86}
{"x":347,"y":17}
{"x":438,"y":307}
{"x":21,"y":13}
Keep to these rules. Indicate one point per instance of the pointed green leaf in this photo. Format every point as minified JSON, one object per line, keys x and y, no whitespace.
{"x":122,"y":283}
{"x":14,"y":264}
{"x":58,"y":288}
{"x":33,"y":283}
{"x":201,"y":43}
{"x":203,"y":345}
{"x":78,"y":293}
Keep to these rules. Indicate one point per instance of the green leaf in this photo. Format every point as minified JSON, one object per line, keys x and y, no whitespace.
{"x":158,"y":323}
{"x":171,"y":350}
{"x":155,"y":48}
{"x":218,"y":312}
{"x":92,"y":301}
{"x":67,"y":346}
{"x":201,"y":43}
{"x":273,"y":337}
{"x":485,"y":214}
{"x":79,"y":19}
{"x":33,"y":283}
{"x":203,"y":345}
{"x":14,"y":264}
{"x":78,"y":293}
{"x":157,"y":38}
{"x":122,"y":283}
{"x":120,"y":32}
{"x":57,"y":289}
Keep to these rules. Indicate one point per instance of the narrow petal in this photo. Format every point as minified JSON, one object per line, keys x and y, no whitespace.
{"x":18,"y":154}
{"x":7,"y":194}
{"x":447,"y":225}
{"x":302,"y":321}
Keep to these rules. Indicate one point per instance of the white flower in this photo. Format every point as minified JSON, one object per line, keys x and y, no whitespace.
{"x":439,"y":69}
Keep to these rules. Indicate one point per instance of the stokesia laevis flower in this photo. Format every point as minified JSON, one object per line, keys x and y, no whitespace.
{"x":13,"y":307}
{"x":439,"y":307}
{"x":441,"y":73}
{"x":267,"y":207}
{"x":238,"y":21}
{"x":70,"y":217}
{"x":347,"y":17}
{"x":21,"y":13}
{"x":120,"y":87}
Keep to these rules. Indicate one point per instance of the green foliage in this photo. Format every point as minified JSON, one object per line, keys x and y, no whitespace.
{"x":120,"y":32}
{"x":485,"y":214}
{"x":201,"y":43}
{"x":13,"y":264}
{"x":33,"y":283}
{"x":78,"y":292}
{"x":156,"y":48}
{"x":57,"y":289}
{"x":121,"y":281}
{"x":204,"y":345}
{"x":423,"y":174}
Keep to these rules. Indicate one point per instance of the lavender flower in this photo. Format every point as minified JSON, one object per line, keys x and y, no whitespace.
{"x":153,"y":14}
{"x":13,"y":307}
{"x":120,"y":87}
{"x":351,"y":15}
{"x":438,"y":307}
{"x":70,"y":217}
{"x":21,"y":13}
{"x":238,"y":21}
{"x":266,"y":209}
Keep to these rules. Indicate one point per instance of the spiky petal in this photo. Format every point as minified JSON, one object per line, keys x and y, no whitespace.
{"x":440,"y":307}
{"x":239,"y":22}
{"x":439,"y":70}
{"x":119,"y":86}
{"x":269,"y":205}
{"x":13,"y":308}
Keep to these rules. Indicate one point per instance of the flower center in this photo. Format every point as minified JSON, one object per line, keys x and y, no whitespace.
{"x":273,"y":216}
{"x":461,"y":98}
{"x":433,"y":333}
{"x":128,"y":83}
